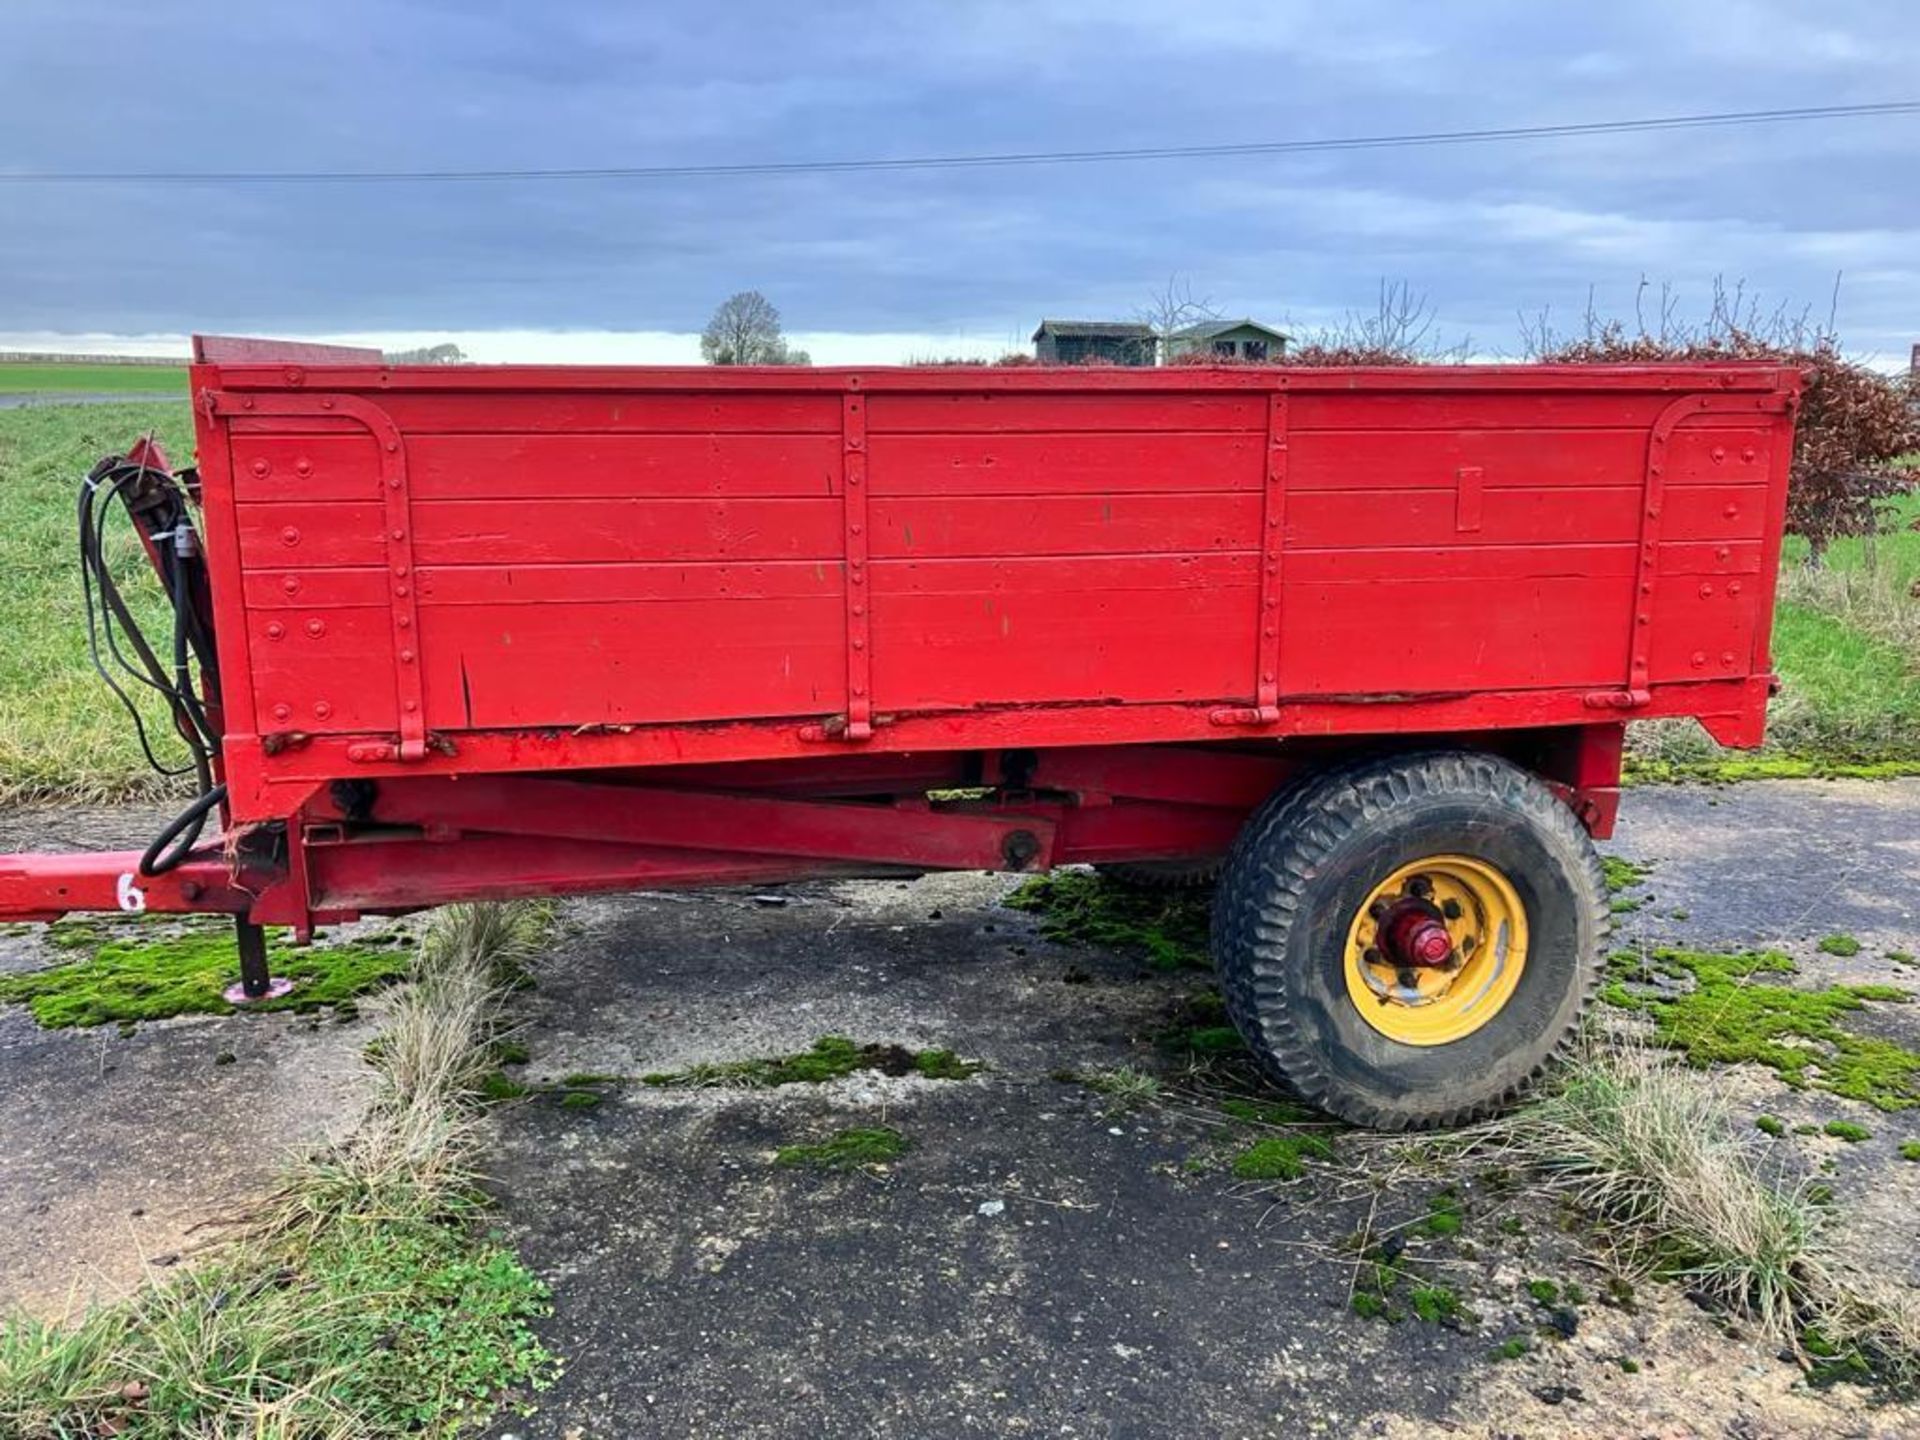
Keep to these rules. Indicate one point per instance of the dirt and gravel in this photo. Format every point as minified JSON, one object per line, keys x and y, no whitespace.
{"x":1037,"y":1261}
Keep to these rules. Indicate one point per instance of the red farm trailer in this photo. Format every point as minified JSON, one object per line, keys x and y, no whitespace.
{"x":1368,"y":637}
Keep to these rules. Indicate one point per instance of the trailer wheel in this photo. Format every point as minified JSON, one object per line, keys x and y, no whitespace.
{"x":1162,"y":874}
{"x":1409,"y":941}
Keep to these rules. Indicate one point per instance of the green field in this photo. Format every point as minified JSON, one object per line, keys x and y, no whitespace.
{"x":61,"y":733}
{"x":91,"y":379}
{"x":1847,"y":638}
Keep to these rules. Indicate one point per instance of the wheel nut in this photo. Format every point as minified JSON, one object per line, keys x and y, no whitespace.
{"x":1451,"y":909}
{"x":1420,"y":887}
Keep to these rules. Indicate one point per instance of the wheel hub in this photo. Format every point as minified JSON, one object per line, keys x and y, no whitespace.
{"x":1436,"y":950}
{"x":1414,"y":932}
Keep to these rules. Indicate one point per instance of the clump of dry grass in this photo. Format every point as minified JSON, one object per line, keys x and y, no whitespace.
{"x":363,"y":1299}
{"x":1652,"y":1153}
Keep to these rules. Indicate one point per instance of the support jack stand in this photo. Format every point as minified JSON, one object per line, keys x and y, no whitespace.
{"x":256,"y":983}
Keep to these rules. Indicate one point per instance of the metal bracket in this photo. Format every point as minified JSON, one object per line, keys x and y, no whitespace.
{"x":1469,"y":496}
{"x":1266,"y":707}
{"x":1647,"y":566}
{"x":397,"y":533}
{"x":858,"y":587}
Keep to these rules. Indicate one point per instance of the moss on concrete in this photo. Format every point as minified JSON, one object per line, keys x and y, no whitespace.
{"x":1167,"y":928}
{"x":1622,"y":874}
{"x":1269,"y":1112}
{"x":1281,"y":1157}
{"x":1847,"y":1130}
{"x":1732,"y":769}
{"x":1844,"y":946}
{"x":829,"y":1058}
{"x":1435,"y":1304}
{"x":1445,"y":1215}
{"x":850,"y":1149}
{"x":1724,"y":1009}
{"x":125,"y":981}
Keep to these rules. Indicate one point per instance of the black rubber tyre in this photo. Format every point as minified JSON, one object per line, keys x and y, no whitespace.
{"x":1163,"y":874}
{"x":1307,"y":861}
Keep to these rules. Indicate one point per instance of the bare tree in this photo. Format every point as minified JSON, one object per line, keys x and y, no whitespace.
{"x":1173,"y":308}
{"x":447,"y":354}
{"x":745,"y":330}
{"x":1401,"y":329}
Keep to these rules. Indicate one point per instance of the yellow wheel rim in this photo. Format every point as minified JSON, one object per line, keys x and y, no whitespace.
{"x":1395,"y":976}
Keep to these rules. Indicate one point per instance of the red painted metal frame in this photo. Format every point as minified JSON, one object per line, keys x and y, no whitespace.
{"x":1038,"y":584}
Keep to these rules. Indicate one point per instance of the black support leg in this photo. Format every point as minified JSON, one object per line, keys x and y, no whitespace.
{"x":251,"y":941}
{"x":256,"y":981}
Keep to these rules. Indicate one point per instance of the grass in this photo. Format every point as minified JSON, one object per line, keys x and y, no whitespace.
{"x":829,"y":1058}
{"x":364,"y":1298}
{"x":1910,"y":1149}
{"x":1847,"y":1130}
{"x":62,"y":735}
{"x":1654,"y":1160}
{"x":851,"y":1149}
{"x":17,"y":378}
{"x":1123,"y":1084}
{"x":123,"y":981}
{"x":1717,"y":1009}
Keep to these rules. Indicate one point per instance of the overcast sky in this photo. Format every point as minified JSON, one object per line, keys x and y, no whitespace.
{"x":874,"y":266}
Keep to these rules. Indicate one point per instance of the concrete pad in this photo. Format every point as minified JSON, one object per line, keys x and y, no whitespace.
{"x":117,"y":1153}
{"x":1036,"y":1263}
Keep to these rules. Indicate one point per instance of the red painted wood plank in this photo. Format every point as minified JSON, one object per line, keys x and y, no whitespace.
{"x":1715,"y":512}
{"x":324,"y":673}
{"x":639,"y":585}
{"x":1710,"y":557}
{"x":1477,"y":409}
{"x":644,"y":410}
{"x":1054,"y":464}
{"x":1396,"y":638}
{"x":1703,"y":628}
{"x":1419,"y":519}
{"x":539,"y":467}
{"x":1736,"y":455}
{"x":1429,"y":459}
{"x":947,"y":527}
{"x":568,"y":664}
{"x":1495,"y":564}
{"x":966,"y":412}
{"x":960,"y":632}
{"x":452,"y":532}
{"x":291,"y":589}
